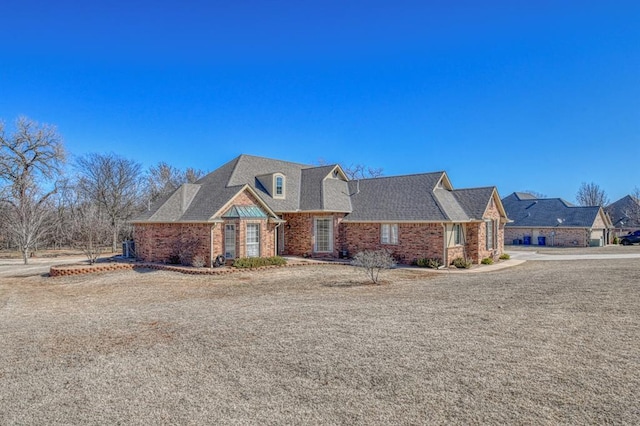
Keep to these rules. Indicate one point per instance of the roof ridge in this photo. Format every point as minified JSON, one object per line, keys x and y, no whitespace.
{"x":326,"y":166}
{"x":475,"y":187}
{"x":399,"y":176}
{"x":273,"y":159}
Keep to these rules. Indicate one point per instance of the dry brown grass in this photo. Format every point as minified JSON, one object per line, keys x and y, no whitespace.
{"x":544,"y":342}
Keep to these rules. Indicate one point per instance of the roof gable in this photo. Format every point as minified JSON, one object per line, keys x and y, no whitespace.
{"x":476,"y":201}
{"x":324,"y":188}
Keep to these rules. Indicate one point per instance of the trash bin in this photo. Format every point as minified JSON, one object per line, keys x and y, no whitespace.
{"x":542,"y":241}
{"x":527,"y":240}
{"x":516,"y":242}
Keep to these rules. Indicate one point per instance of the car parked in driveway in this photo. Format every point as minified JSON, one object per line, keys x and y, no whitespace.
{"x":630,"y":238}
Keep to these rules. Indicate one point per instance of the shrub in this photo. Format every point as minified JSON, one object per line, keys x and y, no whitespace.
{"x":615,"y":240}
{"x":487,"y":261}
{"x":183,"y":251}
{"x":257,"y":262}
{"x":372,"y":262}
{"x":198,"y":262}
{"x":433,"y":263}
{"x":461,"y":263}
{"x":505,"y":256}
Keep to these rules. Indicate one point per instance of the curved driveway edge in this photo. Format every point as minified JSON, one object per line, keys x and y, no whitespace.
{"x":534,"y":255}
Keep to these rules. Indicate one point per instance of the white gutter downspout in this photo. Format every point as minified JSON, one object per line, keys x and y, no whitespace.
{"x":277,"y":242}
{"x":444,"y":239}
{"x":211,"y":245}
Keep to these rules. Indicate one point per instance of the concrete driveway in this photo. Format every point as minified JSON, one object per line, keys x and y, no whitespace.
{"x":36,"y":265}
{"x":534,"y":255}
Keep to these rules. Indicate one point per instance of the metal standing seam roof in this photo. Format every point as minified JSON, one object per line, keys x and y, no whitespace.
{"x":245,"y":212}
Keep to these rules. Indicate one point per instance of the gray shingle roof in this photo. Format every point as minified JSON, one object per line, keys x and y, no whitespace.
{"x":309,"y":188}
{"x":321,"y":191}
{"x":547,"y":212}
{"x":336,"y":195}
{"x":400,"y":198}
{"x":625,"y":213}
{"x":311,"y":191}
{"x":450,"y":205}
{"x":475,"y":201}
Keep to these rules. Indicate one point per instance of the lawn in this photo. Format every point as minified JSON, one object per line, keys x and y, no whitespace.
{"x":543,"y":342}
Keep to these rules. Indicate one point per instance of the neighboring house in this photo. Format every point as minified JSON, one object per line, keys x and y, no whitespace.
{"x":254,"y":206}
{"x":625,"y":214}
{"x":554,"y":222}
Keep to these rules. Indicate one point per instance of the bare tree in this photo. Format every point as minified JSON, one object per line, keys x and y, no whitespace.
{"x":590,"y":194}
{"x":91,"y":230}
{"x":373,"y":261}
{"x":356,"y":171}
{"x":633,"y":212}
{"x":536,"y":194}
{"x":192,"y":175}
{"x":114,"y":184}
{"x":60,"y":223}
{"x":30,"y":161}
{"x":162,"y":179}
{"x":359,"y":171}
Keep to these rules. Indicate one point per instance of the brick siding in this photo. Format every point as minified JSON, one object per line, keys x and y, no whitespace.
{"x":477,"y":237}
{"x":563,"y":237}
{"x":299,"y":234}
{"x":415,"y":240}
{"x":156,"y":242}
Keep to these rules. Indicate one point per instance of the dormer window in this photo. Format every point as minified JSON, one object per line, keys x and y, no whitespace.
{"x":278,"y":186}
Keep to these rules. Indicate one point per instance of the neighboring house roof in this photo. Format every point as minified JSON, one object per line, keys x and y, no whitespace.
{"x":420,"y":197}
{"x":625,"y":213}
{"x":528,"y":211}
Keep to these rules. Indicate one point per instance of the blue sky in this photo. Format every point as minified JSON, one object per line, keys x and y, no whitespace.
{"x":522,"y":95}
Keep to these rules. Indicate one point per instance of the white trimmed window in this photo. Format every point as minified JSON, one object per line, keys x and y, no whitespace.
{"x":389,"y":233}
{"x":278,"y":186}
{"x":253,"y":240}
{"x":457,"y":234}
{"x":324,"y":235}
{"x":490,"y":233}
{"x":230,"y":241}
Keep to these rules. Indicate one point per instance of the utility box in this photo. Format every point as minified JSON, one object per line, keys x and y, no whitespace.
{"x":128,"y":249}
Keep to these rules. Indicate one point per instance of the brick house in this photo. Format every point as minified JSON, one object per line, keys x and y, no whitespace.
{"x":554,"y":222}
{"x":625,"y":214}
{"x":254,"y":206}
